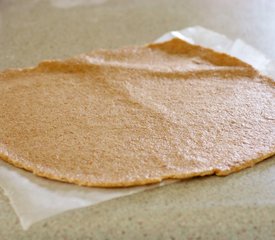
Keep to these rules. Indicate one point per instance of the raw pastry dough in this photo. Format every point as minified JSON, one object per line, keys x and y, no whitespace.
{"x":137,"y":115}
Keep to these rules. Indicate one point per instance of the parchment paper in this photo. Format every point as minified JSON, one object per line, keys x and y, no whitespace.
{"x":34,"y":198}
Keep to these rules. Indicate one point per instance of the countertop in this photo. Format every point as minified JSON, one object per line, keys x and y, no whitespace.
{"x":240,"y":206}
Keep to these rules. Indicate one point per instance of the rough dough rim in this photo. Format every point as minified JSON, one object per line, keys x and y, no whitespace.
{"x":140,"y":183}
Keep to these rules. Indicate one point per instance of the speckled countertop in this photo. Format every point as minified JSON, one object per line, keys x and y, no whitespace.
{"x":240,"y":206}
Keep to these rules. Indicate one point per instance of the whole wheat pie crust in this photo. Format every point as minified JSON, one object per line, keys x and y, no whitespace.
{"x":137,"y":115}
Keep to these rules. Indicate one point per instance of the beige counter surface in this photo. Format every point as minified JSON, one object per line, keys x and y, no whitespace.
{"x":240,"y":206}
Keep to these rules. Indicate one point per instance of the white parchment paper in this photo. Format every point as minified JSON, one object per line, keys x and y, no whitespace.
{"x":34,"y":198}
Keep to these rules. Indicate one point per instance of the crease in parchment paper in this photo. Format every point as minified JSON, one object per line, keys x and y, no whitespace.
{"x":34,"y":198}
